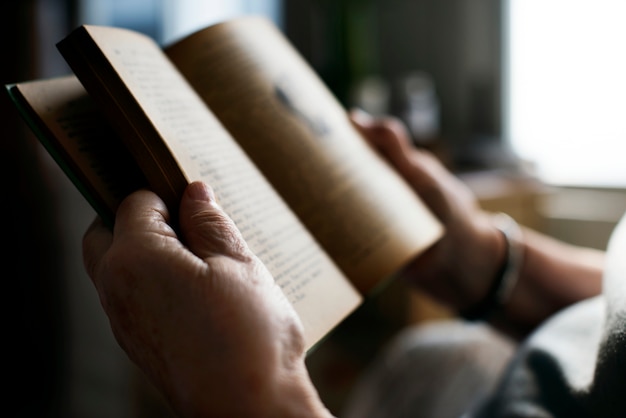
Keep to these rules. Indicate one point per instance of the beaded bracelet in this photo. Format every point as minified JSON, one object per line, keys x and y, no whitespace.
{"x":501,"y":288}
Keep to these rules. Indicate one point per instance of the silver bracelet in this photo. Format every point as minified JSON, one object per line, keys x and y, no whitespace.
{"x":515,"y":253}
{"x":502,"y":287}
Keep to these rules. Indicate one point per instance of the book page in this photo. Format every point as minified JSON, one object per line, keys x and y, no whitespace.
{"x":364,"y":215}
{"x":80,"y":140}
{"x":204,"y":150}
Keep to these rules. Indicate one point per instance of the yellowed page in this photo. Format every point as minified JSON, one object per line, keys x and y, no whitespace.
{"x":79,"y":138}
{"x":205,"y":151}
{"x":363,"y":214}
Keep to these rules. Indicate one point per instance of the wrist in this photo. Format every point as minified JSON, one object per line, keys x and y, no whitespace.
{"x":284,"y":390}
{"x":503,"y":281}
{"x":296,"y":396}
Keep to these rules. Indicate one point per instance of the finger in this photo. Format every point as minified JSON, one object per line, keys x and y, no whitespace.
{"x":142,"y":213}
{"x":420,"y":168}
{"x":381,"y":130}
{"x":206,"y":228}
{"x":96,"y":241}
{"x":141,"y":217}
{"x":389,"y":136}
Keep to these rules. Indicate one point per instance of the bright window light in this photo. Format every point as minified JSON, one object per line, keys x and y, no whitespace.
{"x":566,"y":95}
{"x":184,"y":16}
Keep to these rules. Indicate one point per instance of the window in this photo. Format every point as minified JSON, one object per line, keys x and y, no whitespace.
{"x":184,"y":16}
{"x":566,"y":89}
{"x":167,"y":20}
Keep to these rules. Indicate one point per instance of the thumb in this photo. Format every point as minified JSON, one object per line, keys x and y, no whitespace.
{"x":421,"y":169}
{"x":380,"y":131}
{"x":206,"y":228}
{"x":389,"y":137}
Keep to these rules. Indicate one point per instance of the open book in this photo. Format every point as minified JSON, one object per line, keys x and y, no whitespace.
{"x":234,"y":105}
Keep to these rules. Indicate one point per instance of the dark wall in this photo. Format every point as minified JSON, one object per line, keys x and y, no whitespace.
{"x":34,"y":332}
{"x":458,"y":42}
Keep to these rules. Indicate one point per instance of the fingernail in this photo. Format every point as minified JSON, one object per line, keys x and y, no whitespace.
{"x":360,"y":116}
{"x":200,"y":191}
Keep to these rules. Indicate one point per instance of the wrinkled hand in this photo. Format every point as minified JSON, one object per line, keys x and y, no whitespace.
{"x":205,"y":321}
{"x":457,"y":270}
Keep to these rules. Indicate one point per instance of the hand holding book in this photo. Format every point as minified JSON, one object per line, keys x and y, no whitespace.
{"x":236,"y":107}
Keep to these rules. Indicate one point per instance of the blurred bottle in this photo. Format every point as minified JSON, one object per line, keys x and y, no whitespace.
{"x":418,"y":106}
{"x":371,"y":94}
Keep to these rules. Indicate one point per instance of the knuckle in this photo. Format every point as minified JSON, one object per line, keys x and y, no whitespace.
{"x":216,"y":228}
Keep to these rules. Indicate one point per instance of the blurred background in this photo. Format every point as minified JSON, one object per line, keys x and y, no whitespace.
{"x":523,"y":99}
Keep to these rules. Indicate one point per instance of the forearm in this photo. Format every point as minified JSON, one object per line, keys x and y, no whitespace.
{"x":282,"y":391}
{"x":463,"y":270}
{"x":552,"y":275}
{"x":299,"y":398}
{"x":293,"y":396}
